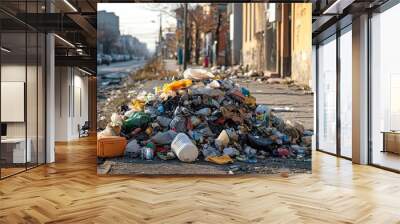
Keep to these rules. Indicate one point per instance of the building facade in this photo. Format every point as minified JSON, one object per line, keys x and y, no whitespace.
{"x":276,"y":39}
{"x":235,"y":13}
{"x":253,"y":18}
{"x":107,"y":31}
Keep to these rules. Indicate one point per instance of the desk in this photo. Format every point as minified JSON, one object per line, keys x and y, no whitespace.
{"x":391,"y":141}
{"x":16,"y":147}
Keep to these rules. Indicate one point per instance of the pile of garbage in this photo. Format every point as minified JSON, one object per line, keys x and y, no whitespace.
{"x":206,"y":117}
{"x":244,"y":74}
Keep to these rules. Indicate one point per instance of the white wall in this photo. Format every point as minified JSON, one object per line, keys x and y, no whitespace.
{"x":70,"y":84}
{"x":61,"y":103}
{"x":33,"y":127}
{"x":12,"y":73}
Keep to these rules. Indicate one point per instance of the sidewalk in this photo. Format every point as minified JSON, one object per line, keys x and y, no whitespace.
{"x":172,"y":65}
{"x":275,"y":95}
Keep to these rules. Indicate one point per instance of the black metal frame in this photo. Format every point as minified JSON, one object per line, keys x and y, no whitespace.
{"x":387,"y":5}
{"x":338,"y":98}
{"x":339,"y":32}
{"x":44,"y":80}
{"x":369,"y":90}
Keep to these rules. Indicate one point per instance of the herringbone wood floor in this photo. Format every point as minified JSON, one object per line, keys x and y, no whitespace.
{"x":69,"y":191}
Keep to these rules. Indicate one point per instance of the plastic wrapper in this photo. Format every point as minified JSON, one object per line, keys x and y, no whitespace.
{"x":197,"y":74}
{"x":137,"y":120}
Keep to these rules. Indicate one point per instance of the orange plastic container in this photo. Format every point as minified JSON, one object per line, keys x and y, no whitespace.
{"x":110,"y":146}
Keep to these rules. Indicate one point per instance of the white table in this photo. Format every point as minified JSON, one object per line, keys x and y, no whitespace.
{"x":18,"y":149}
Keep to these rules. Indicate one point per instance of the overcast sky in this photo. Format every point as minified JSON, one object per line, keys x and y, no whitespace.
{"x":141,"y":20}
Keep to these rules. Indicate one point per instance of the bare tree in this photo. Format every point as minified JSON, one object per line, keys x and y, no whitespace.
{"x":199,"y":22}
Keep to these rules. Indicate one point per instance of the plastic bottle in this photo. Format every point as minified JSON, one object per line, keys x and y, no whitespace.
{"x":263,"y":113}
{"x":184,"y":149}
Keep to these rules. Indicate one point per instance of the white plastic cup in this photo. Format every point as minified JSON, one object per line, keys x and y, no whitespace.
{"x":184,"y":148}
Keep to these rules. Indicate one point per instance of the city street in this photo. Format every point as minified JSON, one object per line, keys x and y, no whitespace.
{"x":108,"y":75}
{"x":291,"y":102}
{"x":244,"y":78}
{"x":126,"y":67}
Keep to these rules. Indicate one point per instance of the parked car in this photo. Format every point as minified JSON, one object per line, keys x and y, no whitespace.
{"x":106,"y":59}
{"x":99,"y":60}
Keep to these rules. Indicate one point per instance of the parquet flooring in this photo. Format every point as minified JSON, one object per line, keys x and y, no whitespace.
{"x":69,"y":191}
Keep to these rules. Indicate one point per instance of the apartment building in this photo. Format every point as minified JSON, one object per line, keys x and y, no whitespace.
{"x":276,"y":39}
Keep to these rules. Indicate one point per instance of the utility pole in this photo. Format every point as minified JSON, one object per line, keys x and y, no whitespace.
{"x":160,"y":42}
{"x":185,"y":37}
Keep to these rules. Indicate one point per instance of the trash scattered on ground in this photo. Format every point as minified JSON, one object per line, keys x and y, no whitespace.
{"x":285,"y":174}
{"x":207,"y":117}
{"x":283,"y":109}
{"x":224,"y":159}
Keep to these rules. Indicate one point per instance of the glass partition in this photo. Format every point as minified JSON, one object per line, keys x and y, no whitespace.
{"x":385,"y":89}
{"x":22,"y":88}
{"x":346,"y":93}
{"x":13,"y":94}
{"x":327,"y":95}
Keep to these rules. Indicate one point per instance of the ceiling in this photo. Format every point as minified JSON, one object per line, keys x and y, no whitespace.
{"x":331,"y":15}
{"x":74,"y":21}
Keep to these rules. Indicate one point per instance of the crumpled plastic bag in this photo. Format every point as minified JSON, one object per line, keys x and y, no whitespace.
{"x":224,"y":159}
{"x":197,"y":74}
{"x":260,"y":143}
{"x":178,"y":124}
{"x":207,"y":91}
{"x":204,"y":112}
{"x":250,"y":100}
{"x":228,"y":114}
{"x":137,"y":120}
{"x":277,"y":122}
{"x":129,"y":113}
{"x":137,"y":105}
{"x":164,"y":138}
{"x":164,"y":121}
{"x":208,"y":150}
{"x":109,"y":131}
{"x":263,"y":113}
{"x":230,"y":151}
{"x":133,"y":149}
{"x":177,"y":85}
{"x":294,"y":130}
{"x":116,"y":120}
{"x":214,"y":84}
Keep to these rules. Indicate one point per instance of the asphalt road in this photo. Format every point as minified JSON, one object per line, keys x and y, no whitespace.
{"x":112,"y":74}
{"x":124,"y":67}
